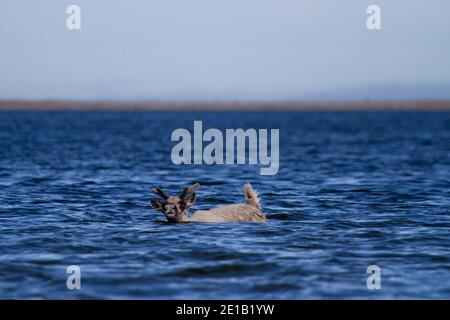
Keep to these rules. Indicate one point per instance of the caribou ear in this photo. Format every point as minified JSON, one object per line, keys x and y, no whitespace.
{"x":190,"y":200}
{"x":156,"y":205}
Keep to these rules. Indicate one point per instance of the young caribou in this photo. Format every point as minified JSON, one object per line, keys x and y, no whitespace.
{"x":176,"y":208}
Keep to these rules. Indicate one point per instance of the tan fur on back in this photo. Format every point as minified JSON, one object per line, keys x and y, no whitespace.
{"x":229,"y":213}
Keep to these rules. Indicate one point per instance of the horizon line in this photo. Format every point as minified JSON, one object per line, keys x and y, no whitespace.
{"x":104,"y":105}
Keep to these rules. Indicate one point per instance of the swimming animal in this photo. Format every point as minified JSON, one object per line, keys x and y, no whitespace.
{"x":175,"y":208}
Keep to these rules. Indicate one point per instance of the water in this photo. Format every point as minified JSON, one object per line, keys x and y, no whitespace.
{"x":354,"y":189}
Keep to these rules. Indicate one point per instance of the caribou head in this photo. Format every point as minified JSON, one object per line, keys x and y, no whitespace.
{"x":175,"y":208}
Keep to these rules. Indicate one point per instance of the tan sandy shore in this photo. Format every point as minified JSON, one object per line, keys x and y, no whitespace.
{"x":221,"y":106}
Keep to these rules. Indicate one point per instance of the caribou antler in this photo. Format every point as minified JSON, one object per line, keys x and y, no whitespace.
{"x":188,"y":190}
{"x":160,"y":193}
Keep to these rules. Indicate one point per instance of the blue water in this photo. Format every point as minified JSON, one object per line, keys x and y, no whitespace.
{"x":353,"y":189}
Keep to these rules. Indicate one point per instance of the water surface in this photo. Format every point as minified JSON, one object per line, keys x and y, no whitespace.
{"x":353,"y":189}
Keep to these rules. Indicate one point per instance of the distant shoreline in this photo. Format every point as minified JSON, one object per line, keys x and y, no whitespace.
{"x":425,"y":105}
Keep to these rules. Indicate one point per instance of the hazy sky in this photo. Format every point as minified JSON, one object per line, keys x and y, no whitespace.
{"x":220,"y":49}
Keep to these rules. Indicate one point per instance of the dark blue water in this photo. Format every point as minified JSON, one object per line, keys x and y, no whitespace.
{"x":353,"y":189}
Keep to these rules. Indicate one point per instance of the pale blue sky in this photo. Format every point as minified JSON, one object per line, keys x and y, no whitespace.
{"x":224,"y":50}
